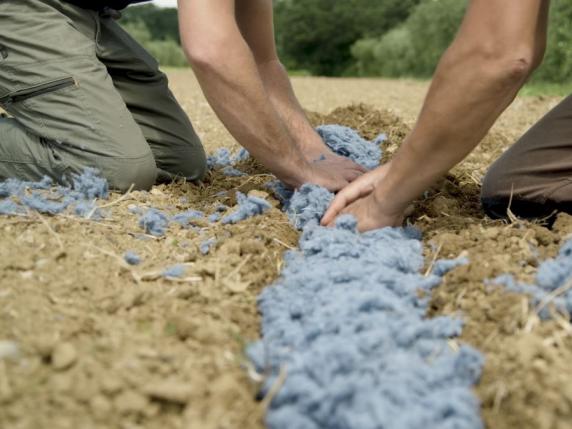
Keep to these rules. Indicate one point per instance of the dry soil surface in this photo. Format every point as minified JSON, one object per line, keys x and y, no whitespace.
{"x":106,"y":345}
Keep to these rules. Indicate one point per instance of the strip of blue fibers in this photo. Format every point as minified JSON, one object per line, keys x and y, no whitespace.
{"x":347,"y":323}
{"x":17,"y":196}
{"x":552,"y":275}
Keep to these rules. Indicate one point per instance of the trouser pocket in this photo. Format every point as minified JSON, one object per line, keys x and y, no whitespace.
{"x":36,"y":90}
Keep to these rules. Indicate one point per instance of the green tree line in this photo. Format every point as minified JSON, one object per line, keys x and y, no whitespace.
{"x":392,"y":38}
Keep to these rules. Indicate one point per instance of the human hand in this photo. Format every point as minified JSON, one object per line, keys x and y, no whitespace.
{"x":358,"y":199}
{"x":344,"y":167}
{"x":329,"y":170}
{"x":360,"y":188}
{"x":331,"y":175}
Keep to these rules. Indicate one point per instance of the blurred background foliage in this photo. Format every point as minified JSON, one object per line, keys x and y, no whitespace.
{"x":390,"y":38}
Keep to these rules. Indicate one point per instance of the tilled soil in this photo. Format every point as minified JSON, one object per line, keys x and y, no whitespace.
{"x":108,"y":345}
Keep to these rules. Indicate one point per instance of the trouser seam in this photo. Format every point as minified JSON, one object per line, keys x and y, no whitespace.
{"x":568,"y":181}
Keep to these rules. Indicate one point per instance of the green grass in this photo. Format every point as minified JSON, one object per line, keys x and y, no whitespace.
{"x":547,"y":89}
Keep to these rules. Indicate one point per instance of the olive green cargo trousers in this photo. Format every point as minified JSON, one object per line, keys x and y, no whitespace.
{"x":82,"y":93}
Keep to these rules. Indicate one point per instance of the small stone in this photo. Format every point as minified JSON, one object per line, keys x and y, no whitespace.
{"x":100,"y":407}
{"x":130,"y":402}
{"x":9,"y":350}
{"x":44,"y":346}
{"x":64,"y":356}
{"x":251,"y":245}
{"x":169,"y":391}
{"x":183,"y":326}
{"x":260,"y":194}
{"x":111,"y":385}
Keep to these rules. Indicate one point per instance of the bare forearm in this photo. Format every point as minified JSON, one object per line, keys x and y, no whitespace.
{"x":242,"y":105}
{"x":227,"y":73}
{"x":477,"y":78}
{"x":460,"y":108}
{"x":279,"y":88}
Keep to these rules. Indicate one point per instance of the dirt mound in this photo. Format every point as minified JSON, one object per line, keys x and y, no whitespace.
{"x":525,"y":382}
{"x":103,"y":344}
{"x":369,"y":122}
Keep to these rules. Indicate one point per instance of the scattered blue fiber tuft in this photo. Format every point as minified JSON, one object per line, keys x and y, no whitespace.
{"x":9,"y":207}
{"x":206,"y":246}
{"x":280,"y":191}
{"x":241,"y":155}
{"x":248,"y":206}
{"x":154,"y":222}
{"x":553,"y":274}
{"x":220,"y":158}
{"x":132,"y":258}
{"x":90,"y":185}
{"x":443,"y":266}
{"x":175,"y":271}
{"x":37,"y":202}
{"x":215,"y":217}
{"x":223,"y":158}
{"x":230,"y":171}
{"x":45,"y":197}
{"x":186,"y":217}
{"x":347,"y":142}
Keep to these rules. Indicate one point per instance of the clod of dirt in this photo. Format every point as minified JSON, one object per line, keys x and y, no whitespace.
{"x":64,"y":356}
{"x":9,"y":350}
{"x":169,"y":391}
{"x":130,"y":402}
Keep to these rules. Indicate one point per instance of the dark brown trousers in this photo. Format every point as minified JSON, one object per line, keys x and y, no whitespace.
{"x":534,"y":177}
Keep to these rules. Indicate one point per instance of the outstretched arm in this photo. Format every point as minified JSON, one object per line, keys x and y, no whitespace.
{"x":499,"y":44}
{"x":255,"y":20}
{"x":226,"y":70}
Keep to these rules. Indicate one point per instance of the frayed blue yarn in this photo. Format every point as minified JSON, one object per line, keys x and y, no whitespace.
{"x":232,"y":172}
{"x":175,"y":271}
{"x":280,"y":191}
{"x":49,"y":199}
{"x":552,"y":274}
{"x":154,"y":222}
{"x":248,"y":206}
{"x":132,"y":258}
{"x":347,"y":142}
{"x":223,"y":158}
{"x":186,"y":217}
{"x":215,"y":217}
{"x":206,"y":246}
{"x":346,"y":322}
{"x":443,"y":266}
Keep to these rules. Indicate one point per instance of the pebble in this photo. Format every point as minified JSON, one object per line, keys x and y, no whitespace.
{"x":100,"y":406}
{"x":110,"y":384}
{"x":64,"y":356}
{"x":169,"y":391}
{"x":9,"y":349}
{"x":130,"y":402}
